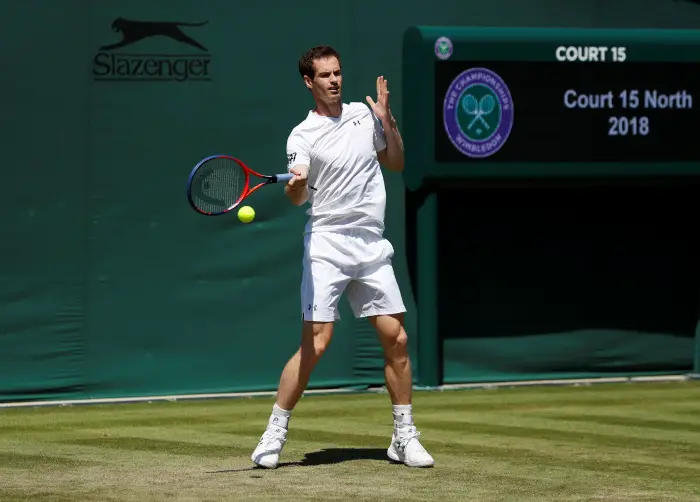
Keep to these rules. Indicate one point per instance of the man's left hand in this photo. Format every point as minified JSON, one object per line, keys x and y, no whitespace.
{"x":381,"y":107}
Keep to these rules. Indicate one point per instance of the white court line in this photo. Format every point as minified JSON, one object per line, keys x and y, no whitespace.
{"x":482,"y":385}
{"x":177,"y":397}
{"x":570,"y":381}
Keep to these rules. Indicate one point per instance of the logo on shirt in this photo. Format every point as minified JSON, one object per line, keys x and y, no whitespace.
{"x":291,"y":157}
{"x":478,"y":112}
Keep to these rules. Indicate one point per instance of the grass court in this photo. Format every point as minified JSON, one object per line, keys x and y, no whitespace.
{"x":607,"y":442}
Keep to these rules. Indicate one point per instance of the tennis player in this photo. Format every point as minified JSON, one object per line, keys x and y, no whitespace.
{"x":338,"y":149}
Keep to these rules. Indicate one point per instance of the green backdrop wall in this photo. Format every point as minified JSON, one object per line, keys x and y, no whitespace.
{"x":110,"y":284}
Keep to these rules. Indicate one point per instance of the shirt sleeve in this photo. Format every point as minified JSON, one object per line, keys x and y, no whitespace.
{"x":379,"y":136}
{"x":298,"y":151}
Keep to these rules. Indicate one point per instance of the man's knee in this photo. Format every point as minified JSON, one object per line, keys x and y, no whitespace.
{"x":392,"y":335}
{"x":316,"y":336}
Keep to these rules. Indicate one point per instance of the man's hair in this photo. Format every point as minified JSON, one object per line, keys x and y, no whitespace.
{"x":306,"y":63}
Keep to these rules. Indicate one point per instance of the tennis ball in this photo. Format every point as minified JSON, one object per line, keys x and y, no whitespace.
{"x":246,"y":214}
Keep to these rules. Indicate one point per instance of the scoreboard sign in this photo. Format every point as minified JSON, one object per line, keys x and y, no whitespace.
{"x":552,"y":101}
{"x":592,"y":109}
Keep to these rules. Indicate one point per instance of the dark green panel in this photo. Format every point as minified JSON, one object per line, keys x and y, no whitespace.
{"x":428,"y":254}
{"x":567,"y":281}
{"x":696,"y":358}
{"x":578,"y":354}
{"x":523,"y":102}
{"x":43,"y":126}
{"x":112,"y":285}
{"x":194,"y":303}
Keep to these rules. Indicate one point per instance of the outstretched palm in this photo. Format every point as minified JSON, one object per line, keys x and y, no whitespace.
{"x":381,"y":107}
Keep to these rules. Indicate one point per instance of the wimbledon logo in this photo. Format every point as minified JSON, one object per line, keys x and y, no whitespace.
{"x":443,"y":48}
{"x":478,"y":112}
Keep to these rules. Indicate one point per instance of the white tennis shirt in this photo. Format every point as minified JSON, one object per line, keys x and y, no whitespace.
{"x":341,"y":153}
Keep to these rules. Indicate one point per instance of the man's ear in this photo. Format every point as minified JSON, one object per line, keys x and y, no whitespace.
{"x":308,"y":82}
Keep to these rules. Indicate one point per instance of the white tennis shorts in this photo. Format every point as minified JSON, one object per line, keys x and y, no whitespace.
{"x":355,"y":261}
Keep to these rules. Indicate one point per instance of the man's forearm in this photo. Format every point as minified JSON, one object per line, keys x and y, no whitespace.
{"x":394,"y":145}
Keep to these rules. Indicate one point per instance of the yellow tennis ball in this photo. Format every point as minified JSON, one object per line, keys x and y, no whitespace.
{"x":246,"y":214}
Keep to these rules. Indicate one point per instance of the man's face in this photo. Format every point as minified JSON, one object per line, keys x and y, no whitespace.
{"x":328,"y":81}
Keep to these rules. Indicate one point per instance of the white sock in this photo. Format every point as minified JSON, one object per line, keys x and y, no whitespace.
{"x":402,"y":414}
{"x":280,"y":417}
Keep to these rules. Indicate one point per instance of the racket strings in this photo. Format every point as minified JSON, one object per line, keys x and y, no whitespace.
{"x":219,"y":185}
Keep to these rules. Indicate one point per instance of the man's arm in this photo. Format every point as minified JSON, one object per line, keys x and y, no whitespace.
{"x":296,"y":189}
{"x":298,"y":162}
{"x":387,"y":139}
{"x":392,"y":157}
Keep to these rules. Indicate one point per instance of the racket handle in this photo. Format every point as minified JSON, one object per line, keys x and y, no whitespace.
{"x":283,"y":178}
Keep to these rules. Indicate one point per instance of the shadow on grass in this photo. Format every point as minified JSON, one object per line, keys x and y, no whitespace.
{"x":338,"y":455}
{"x":325,"y":457}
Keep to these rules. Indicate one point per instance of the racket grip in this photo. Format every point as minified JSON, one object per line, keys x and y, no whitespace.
{"x":283,"y":178}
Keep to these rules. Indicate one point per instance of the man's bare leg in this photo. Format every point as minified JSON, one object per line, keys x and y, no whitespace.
{"x":315,"y":337}
{"x":397,"y":365}
{"x":405,"y":446}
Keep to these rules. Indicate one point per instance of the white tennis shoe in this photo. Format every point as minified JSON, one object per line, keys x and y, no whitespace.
{"x":267,"y":453}
{"x":405,"y":447}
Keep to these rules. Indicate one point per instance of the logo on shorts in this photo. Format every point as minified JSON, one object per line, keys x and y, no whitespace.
{"x":443,"y":48}
{"x":478,"y":112}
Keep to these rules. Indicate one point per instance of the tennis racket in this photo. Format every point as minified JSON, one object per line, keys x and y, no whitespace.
{"x":218,"y":184}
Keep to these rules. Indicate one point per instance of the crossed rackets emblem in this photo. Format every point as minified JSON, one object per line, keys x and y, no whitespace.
{"x":478,"y":109}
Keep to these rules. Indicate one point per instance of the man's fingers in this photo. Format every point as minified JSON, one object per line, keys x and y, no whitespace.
{"x":370,"y":101}
{"x":296,"y":183}
{"x":298,"y":173}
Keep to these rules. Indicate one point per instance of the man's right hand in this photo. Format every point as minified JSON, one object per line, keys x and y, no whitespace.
{"x":301,"y":174}
{"x":296,"y":187}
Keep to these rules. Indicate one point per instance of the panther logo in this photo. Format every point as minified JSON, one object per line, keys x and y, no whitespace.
{"x":133,"y":31}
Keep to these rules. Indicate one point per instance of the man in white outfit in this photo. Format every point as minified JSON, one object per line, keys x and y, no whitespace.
{"x":338,"y":150}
